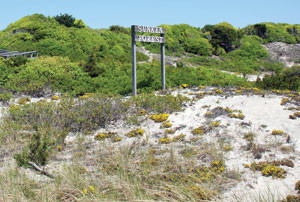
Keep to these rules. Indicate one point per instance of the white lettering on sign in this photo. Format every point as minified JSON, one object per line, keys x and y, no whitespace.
{"x":155,"y":39}
{"x":155,"y":30}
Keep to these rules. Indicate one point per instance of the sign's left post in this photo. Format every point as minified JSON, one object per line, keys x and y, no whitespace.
{"x":133,"y":53}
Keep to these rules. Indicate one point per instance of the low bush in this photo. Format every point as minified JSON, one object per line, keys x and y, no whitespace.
{"x":288,"y":78}
{"x":5,"y":97}
{"x":273,"y":171}
{"x":297,"y":186}
{"x":271,"y":32}
{"x":237,"y":116}
{"x":135,"y":133}
{"x":159,"y":104}
{"x":166,"y":140}
{"x":159,"y":117}
{"x":46,"y":75}
{"x":277,"y":132}
{"x":271,"y":168}
{"x":198,"y":131}
{"x":84,"y":114}
{"x":55,"y":73}
{"x":250,"y":48}
{"x":178,"y":138}
{"x":166,"y":124}
{"x":38,"y":150}
{"x":103,"y":136}
{"x":75,"y":115}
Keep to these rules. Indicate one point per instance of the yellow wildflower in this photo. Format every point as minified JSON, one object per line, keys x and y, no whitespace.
{"x":54,"y":97}
{"x":166,"y":124}
{"x":215,"y":123}
{"x":277,"y":132}
{"x":184,"y":85}
{"x":159,"y":117}
{"x":164,"y":140}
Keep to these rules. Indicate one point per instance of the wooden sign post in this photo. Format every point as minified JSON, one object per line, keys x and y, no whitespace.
{"x":151,"y":39}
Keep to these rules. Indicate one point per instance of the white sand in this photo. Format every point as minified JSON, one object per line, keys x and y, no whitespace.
{"x":258,"y":111}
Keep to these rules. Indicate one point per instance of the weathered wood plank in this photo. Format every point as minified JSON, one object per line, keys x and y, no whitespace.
{"x":151,"y":39}
{"x":148,"y":29}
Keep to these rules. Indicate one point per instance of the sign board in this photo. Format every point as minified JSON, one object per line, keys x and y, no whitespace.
{"x":147,"y":29}
{"x":151,"y":39}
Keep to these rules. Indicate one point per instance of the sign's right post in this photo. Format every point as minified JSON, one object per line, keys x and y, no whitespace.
{"x":133,"y":53}
{"x":163,"y":70}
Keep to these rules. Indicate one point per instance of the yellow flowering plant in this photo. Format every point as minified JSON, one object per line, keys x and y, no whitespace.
{"x":159,"y":117}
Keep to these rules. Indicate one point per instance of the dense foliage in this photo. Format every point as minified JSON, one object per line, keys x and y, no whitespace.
{"x":288,"y":78}
{"x":49,"y":73}
{"x":69,"y":21}
{"x":59,"y":37}
{"x":77,"y":59}
{"x":46,"y":74}
{"x":271,"y":32}
{"x":251,"y":48}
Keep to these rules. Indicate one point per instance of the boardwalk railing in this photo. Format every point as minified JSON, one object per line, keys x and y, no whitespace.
{"x":9,"y":54}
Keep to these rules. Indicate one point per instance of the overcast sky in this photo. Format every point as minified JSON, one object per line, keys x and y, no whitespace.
{"x":102,"y":14}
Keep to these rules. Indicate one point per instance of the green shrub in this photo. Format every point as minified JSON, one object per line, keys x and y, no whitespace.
{"x":251,"y":48}
{"x":16,"y":61}
{"x":159,"y":104}
{"x":294,"y":30}
{"x":118,"y":29}
{"x":182,"y":38}
{"x":38,"y":150}
{"x":46,"y":35}
{"x":202,"y":76}
{"x":271,"y":32}
{"x":68,"y":21}
{"x":38,"y":77}
{"x":288,"y":78}
{"x":10,"y":67}
{"x":5,"y":97}
{"x":199,"y":46}
{"x":56,"y":73}
{"x":70,"y":114}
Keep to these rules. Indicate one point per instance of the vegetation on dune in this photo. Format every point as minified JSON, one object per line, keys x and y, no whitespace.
{"x":157,"y":173}
{"x":90,"y":58}
{"x":65,"y":36}
{"x":288,"y":78}
{"x":144,"y":174}
{"x":271,"y":32}
{"x":89,"y":69}
{"x":44,"y":74}
{"x":69,"y":21}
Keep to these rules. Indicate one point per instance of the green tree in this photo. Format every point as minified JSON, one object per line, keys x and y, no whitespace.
{"x":198,"y":46}
{"x":118,"y":29}
{"x":224,"y":37}
{"x":251,"y":48}
{"x":91,"y":66}
{"x":260,"y":30}
{"x":65,"y":19}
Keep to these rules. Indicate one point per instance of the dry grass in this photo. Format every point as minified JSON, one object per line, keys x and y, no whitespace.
{"x":85,"y":169}
{"x":137,"y":168}
{"x":133,"y":172}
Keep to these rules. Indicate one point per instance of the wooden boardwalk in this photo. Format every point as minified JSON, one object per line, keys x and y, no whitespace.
{"x":9,"y":54}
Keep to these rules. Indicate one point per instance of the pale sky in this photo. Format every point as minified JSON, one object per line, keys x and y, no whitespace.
{"x":102,"y":14}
